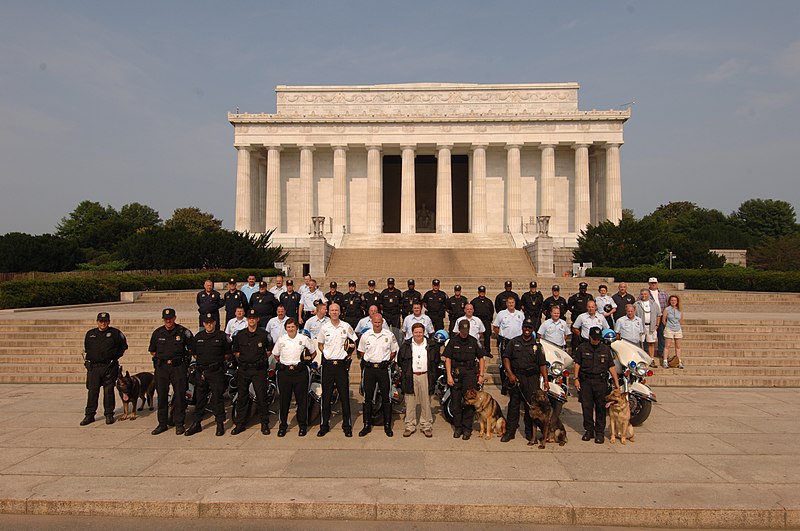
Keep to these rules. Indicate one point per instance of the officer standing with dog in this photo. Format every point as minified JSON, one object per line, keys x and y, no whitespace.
{"x":104,"y":345}
{"x":251,"y":347}
{"x":210,"y":347}
{"x":465,"y":369}
{"x":593,"y":362}
{"x":336,"y":342}
{"x":169,"y":346}
{"x":523,"y":362}
{"x":379,"y":347}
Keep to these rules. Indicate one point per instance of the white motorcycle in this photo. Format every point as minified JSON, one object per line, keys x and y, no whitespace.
{"x":633,"y":369}
{"x":559,"y":364}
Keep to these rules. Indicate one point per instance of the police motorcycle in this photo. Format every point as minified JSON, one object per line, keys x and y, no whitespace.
{"x":442,"y":391}
{"x":633,"y":369}
{"x":559,"y":364}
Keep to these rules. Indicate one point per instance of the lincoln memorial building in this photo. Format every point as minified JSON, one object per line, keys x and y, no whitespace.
{"x":425,"y":158}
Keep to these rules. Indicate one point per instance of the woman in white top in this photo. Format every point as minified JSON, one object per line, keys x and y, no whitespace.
{"x":291,"y":352}
{"x":672,"y":318}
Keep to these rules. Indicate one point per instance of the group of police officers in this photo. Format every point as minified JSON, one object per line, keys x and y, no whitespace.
{"x":263,"y":321}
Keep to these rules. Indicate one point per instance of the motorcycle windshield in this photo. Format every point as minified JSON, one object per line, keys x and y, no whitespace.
{"x":553,"y":353}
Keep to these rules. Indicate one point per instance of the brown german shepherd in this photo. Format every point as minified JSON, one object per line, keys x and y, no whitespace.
{"x":619,"y":412}
{"x":490,"y":416}
{"x":132,"y":388}
{"x":546,"y":420}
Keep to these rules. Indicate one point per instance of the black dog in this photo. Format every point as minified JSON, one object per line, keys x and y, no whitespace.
{"x":546,"y":419}
{"x":132,"y":388}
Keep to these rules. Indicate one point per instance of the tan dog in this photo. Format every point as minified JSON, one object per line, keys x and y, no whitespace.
{"x":490,"y":416}
{"x":619,"y":412}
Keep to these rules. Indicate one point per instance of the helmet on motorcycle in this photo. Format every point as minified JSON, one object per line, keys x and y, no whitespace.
{"x":306,"y":356}
{"x":609,"y":334}
{"x":441,"y":336}
{"x":349,"y":345}
{"x":306,"y":333}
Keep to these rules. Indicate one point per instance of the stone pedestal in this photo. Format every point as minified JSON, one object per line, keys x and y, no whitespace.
{"x":319,"y":256}
{"x":541,"y":253}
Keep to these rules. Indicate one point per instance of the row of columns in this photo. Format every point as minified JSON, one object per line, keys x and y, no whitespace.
{"x":258,"y":188}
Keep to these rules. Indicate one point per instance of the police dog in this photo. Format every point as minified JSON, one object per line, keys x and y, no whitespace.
{"x":619,"y":411}
{"x":132,"y":388}
{"x":490,"y":416}
{"x":546,"y":419}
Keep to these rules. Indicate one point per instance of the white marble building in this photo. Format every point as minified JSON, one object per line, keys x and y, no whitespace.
{"x":427,"y":157}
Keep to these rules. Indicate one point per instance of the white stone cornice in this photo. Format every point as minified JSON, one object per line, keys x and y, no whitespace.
{"x":579,"y":116}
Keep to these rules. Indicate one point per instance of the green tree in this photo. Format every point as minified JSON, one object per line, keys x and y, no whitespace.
{"x":192,"y":219}
{"x":136,"y":216}
{"x":23,"y":252}
{"x":777,"y":254}
{"x":766,"y":217}
{"x":88,"y":225}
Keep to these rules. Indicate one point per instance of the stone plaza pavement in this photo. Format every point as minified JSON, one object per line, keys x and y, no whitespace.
{"x":705,"y":458}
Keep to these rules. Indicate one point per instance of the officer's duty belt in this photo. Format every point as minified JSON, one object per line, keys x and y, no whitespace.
{"x":210,"y":368}
{"x":590,"y":375}
{"x":527,"y":372}
{"x":380,"y":365}
{"x":334,"y":362}
{"x":289,"y":367}
{"x":174,"y":362}
{"x":253,"y":365}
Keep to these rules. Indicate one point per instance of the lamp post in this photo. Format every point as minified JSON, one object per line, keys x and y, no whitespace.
{"x":672,"y":256}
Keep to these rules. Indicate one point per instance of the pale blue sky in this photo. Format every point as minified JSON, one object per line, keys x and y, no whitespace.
{"x":126,"y":101}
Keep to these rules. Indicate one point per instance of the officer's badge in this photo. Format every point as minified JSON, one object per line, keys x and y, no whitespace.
{"x":108,"y":334}
{"x":177,"y":338}
{"x":391,"y":299}
{"x":260,"y":345}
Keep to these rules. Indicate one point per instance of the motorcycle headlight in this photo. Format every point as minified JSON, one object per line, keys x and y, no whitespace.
{"x":641,"y":369}
{"x":557,"y":368}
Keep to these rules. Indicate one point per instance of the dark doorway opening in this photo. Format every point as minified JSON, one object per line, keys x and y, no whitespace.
{"x":392,"y":178}
{"x":459,"y":167}
{"x":425,"y":192}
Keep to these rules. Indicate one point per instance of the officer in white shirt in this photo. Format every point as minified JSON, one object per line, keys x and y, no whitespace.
{"x":555,"y":329}
{"x":507,"y":325}
{"x":379,"y":347}
{"x":276,"y":327}
{"x":237,"y":323}
{"x":587,"y":320}
{"x":306,"y":287}
{"x":603,"y":300}
{"x":314,"y":323}
{"x":630,"y":328}
{"x":476,"y":326}
{"x":278,"y":288}
{"x":335,"y":369}
{"x":308,"y":301}
{"x":365,"y":324}
{"x":292,"y":353}
{"x":416,"y":316}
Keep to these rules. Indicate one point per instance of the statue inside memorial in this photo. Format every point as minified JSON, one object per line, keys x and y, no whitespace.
{"x":426,"y":222}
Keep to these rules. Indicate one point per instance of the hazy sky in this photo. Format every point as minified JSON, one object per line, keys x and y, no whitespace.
{"x":126,"y":101}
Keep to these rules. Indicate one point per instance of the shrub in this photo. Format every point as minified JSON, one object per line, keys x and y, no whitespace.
{"x":726,"y":278}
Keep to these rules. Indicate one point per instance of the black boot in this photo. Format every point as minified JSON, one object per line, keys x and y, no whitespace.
{"x":220,"y":428}
{"x":367,"y":421}
{"x":387,"y":428}
{"x":88,"y":419}
{"x":387,"y":418}
{"x":194,"y":428}
{"x":588,"y":436}
{"x":109,"y":419}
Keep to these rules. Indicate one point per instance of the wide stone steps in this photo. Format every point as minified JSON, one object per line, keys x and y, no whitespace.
{"x":688,"y":379}
{"x":428,"y":241}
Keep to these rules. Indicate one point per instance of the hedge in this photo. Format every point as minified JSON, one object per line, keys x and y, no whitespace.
{"x":105,"y":288}
{"x":726,"y":278}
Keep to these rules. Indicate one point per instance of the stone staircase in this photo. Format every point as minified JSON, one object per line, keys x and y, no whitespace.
{"x":426,"y":241}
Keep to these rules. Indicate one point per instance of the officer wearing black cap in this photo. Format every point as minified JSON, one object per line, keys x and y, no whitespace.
{"x":465,"y":369}
{"x":169,"y":346}
{"x":265,"y":304}
{"x":209,"y":301}
{"x":435,"y":301}
{"x":334,"y":295}
{"x":484,"y":310}
{"x":410,"y":296}
{"x":210,"y":348}
{"x":233,"y":299}
{"x":576,"y":306}
{"x":370,"y":297}
{"x":103,"y":345}
{"x":252,"y":347}
{"x":500,"y":300}
{"x":391,"y":303}
{"x":524,"y":363}
{"x":352,"y":305}
{"x":455,"y":305}
{"x":555,"y":300}
{"x":532,"y":303}
{"x":290,"y":300}
{"x":593,"y":362}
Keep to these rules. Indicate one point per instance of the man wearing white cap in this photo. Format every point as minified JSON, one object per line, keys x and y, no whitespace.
{"x":661,"y":297}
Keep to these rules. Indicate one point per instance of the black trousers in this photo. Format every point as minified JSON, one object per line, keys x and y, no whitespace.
{"x":392,"y":319}
{"x":463,"y":415}
{"x":593,"y":402}
{"x":258,"y":377}
{"x":339,"y":376}
{"x":518,"y":394}
{"x":501,"y":347}
{"x":438,"y":321}
{"x":101,"y":376}
{"x":293,"y":382}
{"x":174,"y":375}
{"x":487,"y":336}
{"x":352,"y":321}
{"x":372,"y":377}
{"x":213,"y":381}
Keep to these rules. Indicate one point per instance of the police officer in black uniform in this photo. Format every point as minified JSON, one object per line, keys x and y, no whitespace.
{"x":455,"y":306}
{"x":593,"y":362}
{"x":265,"y":304}
{"x":391,"y":304}
{"x":210,"y":348}
{"x":334,"y":295}
{"x":555,"y":300}
{"x":500,"y":300}
{"x":209,"y":301}
{"x":532,"y":302}
{"x":576,"y":306}
{"x":465,"y":369}
{"x":484,"y":310}
{"x":352,"y":305}
{"x":232,"y":299}
{"x":370,"y":297}
{"x":252,"y":346}
{"x":290,"y":300}
{"x":104,"y":345}
{"x":410,"y":296}
{"x":435,"y":302}
{"x":523,"y":362}
{"x":169,"y":346}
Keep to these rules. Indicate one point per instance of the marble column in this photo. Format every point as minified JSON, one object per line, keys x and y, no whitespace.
{"x":514,"y":196}
{"x":339,"y":189}
{"x":243,"y":189}
{"x":444,"y":190}
{"x":273,"y":217}
{"x":582,"y":210}
{"x":594,"y":189}
{"x":478,"y":224}
{"x":255,"y":189}
{"x":408,"y":205}
{"x":613,"y":184}
{"x":306,"y":203}
{"x":260,"y":216}
{"x":374,"y":190}
{"x":548,"y":199}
